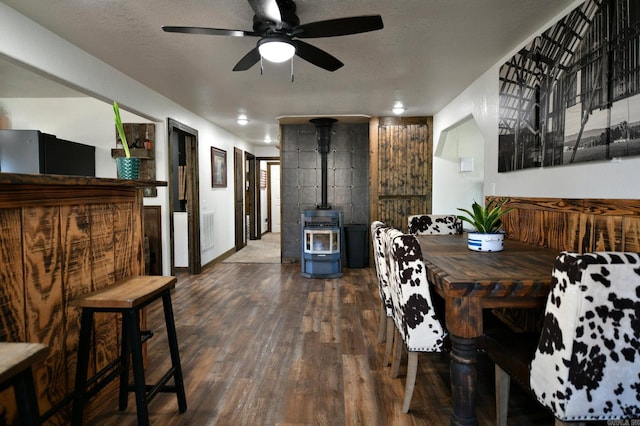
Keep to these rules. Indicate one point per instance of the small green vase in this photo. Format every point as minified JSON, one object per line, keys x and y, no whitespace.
{"x":128,"y":167}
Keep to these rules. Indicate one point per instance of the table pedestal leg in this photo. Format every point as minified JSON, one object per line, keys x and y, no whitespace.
{"x":464,"y":378}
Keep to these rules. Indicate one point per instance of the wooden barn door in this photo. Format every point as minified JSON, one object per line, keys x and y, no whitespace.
{"x":401,"y":168}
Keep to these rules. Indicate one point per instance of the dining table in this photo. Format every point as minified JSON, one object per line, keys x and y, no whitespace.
{"x":470,"y":281}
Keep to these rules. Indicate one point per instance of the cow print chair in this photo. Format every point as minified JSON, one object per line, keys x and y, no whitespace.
{"x":385,"y":333}
{"x":418,"y":326}
{"x":433,"y":224}
{"x":586,"y":365}
{"x":388,"y":235}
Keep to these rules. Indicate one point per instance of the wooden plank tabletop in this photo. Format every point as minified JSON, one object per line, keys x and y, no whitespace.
{"x":521,"y":270}
{"x":17,"y":357}
{"x":127,"y":293}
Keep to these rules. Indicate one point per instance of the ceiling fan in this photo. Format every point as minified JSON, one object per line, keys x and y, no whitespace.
{"x":276,"y":24}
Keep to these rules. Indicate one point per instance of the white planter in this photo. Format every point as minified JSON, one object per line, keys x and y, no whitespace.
{"x":485,"y":242}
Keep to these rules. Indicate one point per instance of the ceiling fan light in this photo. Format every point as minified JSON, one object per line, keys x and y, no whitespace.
{"x":276,"y":50}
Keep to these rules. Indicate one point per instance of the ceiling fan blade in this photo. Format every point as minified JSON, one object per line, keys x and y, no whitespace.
{"x":249,"y":60}
{"x":208,"y":31}
{"x":316,"y":56}
{"x":266,"y":10}
{"x":340,"y":26}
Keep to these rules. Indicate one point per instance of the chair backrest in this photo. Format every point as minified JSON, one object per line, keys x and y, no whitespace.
{"x":416,"y":317}
{"x":587,"y":363}
{"x":382,"y":270}
{"x":435,"y":224}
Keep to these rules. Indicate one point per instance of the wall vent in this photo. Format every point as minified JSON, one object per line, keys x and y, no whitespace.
{"x":207,"y":230}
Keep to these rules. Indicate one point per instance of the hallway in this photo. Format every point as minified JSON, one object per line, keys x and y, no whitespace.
{"x":264,"y":250}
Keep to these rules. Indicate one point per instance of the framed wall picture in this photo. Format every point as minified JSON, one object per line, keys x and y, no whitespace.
{"x":571,"y":95}
{"x":218,"y":168}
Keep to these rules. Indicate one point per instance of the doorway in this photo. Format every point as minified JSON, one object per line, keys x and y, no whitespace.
{"x":238,"y":191}
{"x":273,"y":196}
{"x":184,"y":198}
{"x":153,"y":240}
{"x":266,"y":178}
{"x":251,"y":206}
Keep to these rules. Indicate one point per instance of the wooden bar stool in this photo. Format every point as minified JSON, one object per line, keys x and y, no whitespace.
{"x":16,"y":360}
{"x":127,"y":297}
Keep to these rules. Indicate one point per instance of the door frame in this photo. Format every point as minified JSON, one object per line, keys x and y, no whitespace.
{"x":238,"y":200}
{"x":175,"y":129}
{"x":250,"y":204}
{"x":269,"y":160}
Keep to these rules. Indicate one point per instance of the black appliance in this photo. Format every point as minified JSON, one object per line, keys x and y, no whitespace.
{"x":35,"y":152}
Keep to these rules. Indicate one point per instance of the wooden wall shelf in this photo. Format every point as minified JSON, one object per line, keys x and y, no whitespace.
{"x":136,"y":134}
{"x":146,"y":154}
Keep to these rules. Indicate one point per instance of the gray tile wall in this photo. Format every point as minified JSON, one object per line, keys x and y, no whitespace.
{"x":347,"y":177}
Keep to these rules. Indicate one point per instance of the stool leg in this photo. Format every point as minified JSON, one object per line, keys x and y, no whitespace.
{"x":175,"y":353}
{"x":123,"y":399}
{"x":79,"y":396}
{"x":26,"y":398}
{"x":138,"y":366}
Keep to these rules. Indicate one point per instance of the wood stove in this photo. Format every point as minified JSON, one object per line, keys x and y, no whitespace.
{"x":323,"y":228}
{"x":322,"y":242}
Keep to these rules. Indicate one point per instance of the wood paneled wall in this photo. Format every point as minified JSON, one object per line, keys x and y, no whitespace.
{"x":578,"y":225}
{"x":58,"y":241}
{"x":401,"y":164}
{"x":581,"y":225}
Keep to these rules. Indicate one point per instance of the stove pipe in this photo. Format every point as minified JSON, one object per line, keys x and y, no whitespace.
{"x":323,"y":132}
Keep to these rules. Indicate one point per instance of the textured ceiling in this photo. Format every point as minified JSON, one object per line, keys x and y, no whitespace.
{"x":427,"y":53}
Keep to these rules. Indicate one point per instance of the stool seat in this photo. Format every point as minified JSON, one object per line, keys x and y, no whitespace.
{"x":17,"y":357}
{"x":16,"y":360}
{"x":127,"y":297}
{"x":130,"y":292}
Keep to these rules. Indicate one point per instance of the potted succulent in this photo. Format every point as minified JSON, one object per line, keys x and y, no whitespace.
{"x":128,"y":167}
{"x":486,"y":221}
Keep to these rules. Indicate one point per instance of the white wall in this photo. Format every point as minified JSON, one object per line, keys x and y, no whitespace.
{"x":29,"y":44}
{"x":82,"y":119}
{"x":264,"y":212}
{"x":451,"y":187}
{"x":585,"y":180}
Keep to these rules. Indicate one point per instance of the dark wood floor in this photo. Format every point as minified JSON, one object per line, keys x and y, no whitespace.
{"x":260,"y":345}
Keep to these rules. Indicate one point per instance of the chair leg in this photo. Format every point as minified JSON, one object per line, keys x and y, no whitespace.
{"x":412,"y":371}
{"x":84,"y":344}
{"x":382,"y":328}
{"x":395,"y":366}
{"x":138,"y":366}
{"x":390,"y":326}
{"x":125,"y":354}
{"x":175,"y":353}
{"x":25,"y":392}
{"x":503,"y":382}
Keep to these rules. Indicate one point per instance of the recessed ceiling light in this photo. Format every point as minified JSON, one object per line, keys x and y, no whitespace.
{"x":242,"y":120}
{"x":398,"y":108}
{"x":267,"y":139}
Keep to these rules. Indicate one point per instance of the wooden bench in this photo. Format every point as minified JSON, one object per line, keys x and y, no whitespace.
{"x":16,"y":360}
{"x":127,"y":297}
